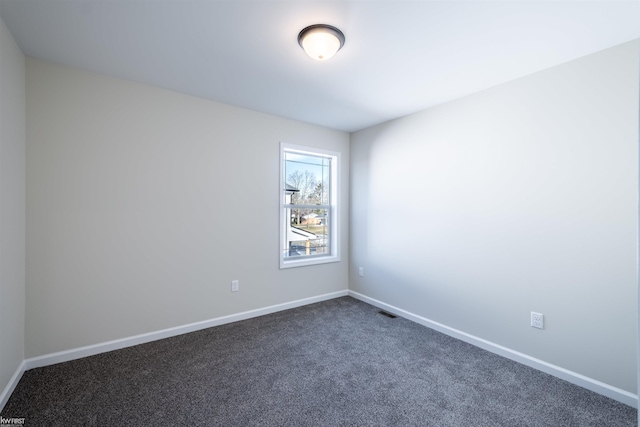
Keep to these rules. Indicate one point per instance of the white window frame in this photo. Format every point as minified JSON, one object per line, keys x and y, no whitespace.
{"x":334,"y":208}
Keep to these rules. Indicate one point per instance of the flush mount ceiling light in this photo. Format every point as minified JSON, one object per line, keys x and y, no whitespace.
{"x":321,"y":41}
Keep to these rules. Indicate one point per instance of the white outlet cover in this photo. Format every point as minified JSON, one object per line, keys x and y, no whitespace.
{"x":537,"y":320}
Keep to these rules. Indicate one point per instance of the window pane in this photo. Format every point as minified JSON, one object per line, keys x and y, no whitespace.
{"x":307,"y":179}
{"x":307,"y":182}
{"x":307,"y":232}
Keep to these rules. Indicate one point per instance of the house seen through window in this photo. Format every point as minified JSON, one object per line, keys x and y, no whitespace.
{"x":309,"y":208}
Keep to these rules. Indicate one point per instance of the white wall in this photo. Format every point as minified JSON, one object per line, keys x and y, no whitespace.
{"x":12,"y":206}
{"x":143,"y":204}
{"x":520,"y":198}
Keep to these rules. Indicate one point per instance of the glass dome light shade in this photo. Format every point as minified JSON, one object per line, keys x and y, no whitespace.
{"x":321,"y":41}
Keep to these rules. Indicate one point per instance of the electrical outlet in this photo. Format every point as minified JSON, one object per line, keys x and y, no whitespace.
{"x":537,"y":320}
{"x":361,"y":271}
{"x":235,"y":285}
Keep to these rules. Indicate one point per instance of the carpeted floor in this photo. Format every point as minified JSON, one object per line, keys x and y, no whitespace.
{"x":335,"y":363}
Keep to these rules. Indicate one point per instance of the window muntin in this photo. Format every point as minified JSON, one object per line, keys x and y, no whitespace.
{"x":308,"y":206}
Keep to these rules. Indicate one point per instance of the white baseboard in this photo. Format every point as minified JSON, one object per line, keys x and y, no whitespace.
{"x":90,"y":350}
{"x":13,"y":382}
{"x":564,"y":374}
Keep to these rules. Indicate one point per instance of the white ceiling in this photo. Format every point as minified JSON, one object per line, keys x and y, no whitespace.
{"x":399,"y":57}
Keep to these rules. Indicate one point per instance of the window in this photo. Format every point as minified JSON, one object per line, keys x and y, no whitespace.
{"x":308,"y":206}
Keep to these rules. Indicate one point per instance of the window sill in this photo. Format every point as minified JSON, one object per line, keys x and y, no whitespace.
{"x":292,"y":263}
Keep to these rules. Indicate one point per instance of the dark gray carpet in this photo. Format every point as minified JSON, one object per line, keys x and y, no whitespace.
{"x":335,"y":363}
